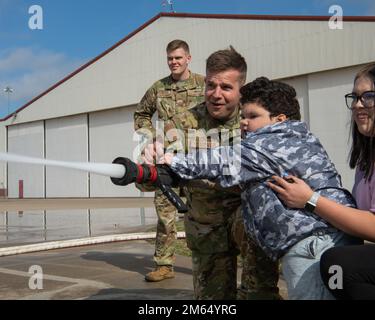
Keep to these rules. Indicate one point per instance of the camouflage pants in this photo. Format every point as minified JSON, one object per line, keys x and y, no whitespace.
{"x":215,"y":273}
{"x":166,"y":230}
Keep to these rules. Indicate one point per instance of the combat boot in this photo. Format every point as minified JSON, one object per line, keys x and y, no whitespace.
{"x":160,"y":273}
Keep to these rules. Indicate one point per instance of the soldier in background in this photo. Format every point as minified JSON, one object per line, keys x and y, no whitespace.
{"x":167,"y":97}
{"x":213,"y":225}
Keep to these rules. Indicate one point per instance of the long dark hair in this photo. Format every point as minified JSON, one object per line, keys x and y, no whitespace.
{"x":362,"y":152}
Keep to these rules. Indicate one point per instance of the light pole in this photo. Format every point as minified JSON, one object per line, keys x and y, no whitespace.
{"x":170,"y":3}
{"x":8,"y":90}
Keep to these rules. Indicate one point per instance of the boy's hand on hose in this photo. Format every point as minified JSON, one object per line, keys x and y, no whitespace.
{"x":149,"y":154}
{"x":153,"y":153}
{"x":166,"y":158}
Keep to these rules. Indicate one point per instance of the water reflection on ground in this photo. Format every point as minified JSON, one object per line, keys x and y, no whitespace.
{"x":17,"y":228}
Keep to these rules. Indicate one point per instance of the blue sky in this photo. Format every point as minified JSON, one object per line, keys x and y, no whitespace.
{"x":75,"y":31}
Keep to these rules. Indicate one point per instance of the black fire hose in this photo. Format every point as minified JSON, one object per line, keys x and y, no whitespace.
{"x":160,"y":176}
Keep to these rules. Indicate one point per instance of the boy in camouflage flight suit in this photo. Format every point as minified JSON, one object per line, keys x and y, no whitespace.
{"x":169,"y":96}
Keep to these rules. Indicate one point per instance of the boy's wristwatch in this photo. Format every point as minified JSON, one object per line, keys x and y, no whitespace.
{"x":311,"y":203}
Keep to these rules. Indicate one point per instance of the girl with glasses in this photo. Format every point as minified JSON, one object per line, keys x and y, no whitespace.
{"x":348,"y":271}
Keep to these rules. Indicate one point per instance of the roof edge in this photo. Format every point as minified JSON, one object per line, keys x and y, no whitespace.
{"x":189,"y":15}
{"x":266,"y":17}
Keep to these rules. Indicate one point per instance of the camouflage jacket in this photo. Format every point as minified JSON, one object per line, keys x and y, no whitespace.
{"x":211,"y":207}
{"x":168,"y":98}
{"x":286,"y":147}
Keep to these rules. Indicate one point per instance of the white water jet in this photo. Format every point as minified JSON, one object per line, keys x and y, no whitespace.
{"x":105,"y":169}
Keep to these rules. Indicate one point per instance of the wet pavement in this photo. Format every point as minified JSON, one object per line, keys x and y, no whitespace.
{"x":112,"y":271}
{"x":26,"y":221}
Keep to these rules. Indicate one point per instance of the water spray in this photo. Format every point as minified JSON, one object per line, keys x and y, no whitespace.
{"x":122,"y":172}
{"x":104,"y":169}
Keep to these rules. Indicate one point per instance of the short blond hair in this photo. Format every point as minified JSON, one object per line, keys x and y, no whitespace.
{"x":177,"y":44}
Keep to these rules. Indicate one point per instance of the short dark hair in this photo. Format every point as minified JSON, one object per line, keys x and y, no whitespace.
{"x":177,"y":44}
{"x":274,"y":96}
{"x":362,"y":151}
{"x":224,"y":60}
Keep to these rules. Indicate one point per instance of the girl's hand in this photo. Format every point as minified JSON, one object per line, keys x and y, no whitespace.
{"x":293,"y":194}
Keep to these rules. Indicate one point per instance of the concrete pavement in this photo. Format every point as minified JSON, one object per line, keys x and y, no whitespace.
{"x":113,"y":271}
{"x":108,"y":271}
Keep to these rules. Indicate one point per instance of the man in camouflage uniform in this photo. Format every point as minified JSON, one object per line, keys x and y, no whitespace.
{"x":214,"y":228}
{"x":169,"y":96}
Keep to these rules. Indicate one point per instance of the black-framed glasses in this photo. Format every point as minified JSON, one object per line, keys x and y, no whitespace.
{"x":367,"y":98}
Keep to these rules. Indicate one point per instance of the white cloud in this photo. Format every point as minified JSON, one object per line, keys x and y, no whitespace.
{"x":28,"y":59}
{"x":31,"y":71}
